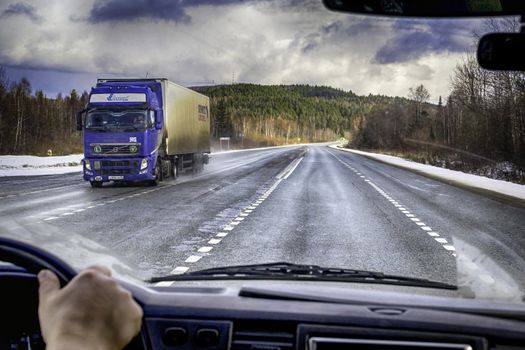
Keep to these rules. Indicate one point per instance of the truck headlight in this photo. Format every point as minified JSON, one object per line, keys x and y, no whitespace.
{"x":144,"y":164}
{"x":87,"y":164}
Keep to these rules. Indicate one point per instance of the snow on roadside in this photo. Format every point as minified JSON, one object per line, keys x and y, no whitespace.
{"x":459,"y":178}
{"x":33,"y":165}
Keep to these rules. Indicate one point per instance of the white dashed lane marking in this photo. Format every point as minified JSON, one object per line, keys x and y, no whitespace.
{"x":193,"y":258}
{"x":179,"y":270}
{"x":403,"y":209}
{"x":39,"y":191}
{"x":243,"y":214}
{"x":205,"y":249}
{"x":100,"y":204}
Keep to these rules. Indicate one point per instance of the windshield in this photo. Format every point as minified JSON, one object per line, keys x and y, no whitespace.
{"x":126,"y":120}
{"x":281,"y":132}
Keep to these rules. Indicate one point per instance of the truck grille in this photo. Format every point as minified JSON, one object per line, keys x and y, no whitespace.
{"x":114,"y":171}
{"x":123,"y":163}
{"x":114,"y":149}
{"x":116,"y":167}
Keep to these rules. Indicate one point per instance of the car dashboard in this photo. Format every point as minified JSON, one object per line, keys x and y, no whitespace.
{"x":240,"y":318}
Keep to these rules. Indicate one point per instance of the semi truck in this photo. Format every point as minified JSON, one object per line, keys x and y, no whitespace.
{"x":143,"y":130}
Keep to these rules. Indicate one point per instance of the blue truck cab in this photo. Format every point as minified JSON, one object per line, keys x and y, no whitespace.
{"x":129,"y":131}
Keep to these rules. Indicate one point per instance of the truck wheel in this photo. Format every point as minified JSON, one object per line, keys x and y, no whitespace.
{"x":174,"y":169}
{"x":158,"y":173}
{"x":95,"y":184}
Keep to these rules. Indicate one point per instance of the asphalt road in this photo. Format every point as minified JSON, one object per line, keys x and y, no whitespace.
{"x":308,"y":204}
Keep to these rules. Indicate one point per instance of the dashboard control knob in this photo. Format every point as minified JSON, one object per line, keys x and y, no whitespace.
{"x":175,"y":336}
{"x":206,"y":337}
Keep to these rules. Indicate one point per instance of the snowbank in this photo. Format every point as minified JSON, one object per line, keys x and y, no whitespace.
{"x":33,"y":165}
{"x":499,"y":189}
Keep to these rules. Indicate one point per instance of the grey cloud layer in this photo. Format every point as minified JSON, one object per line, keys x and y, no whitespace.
{"x":416,"y":38}
{"x":169,"y":10}
{"x":20,"y":9}
{"x":205,"y":41}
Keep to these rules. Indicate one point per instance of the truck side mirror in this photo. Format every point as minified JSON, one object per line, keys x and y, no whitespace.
{"x":159,"y":116}
{"x":80,"y":120}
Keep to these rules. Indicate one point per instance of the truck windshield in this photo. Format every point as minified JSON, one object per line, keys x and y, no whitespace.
{"x":116,"y":120}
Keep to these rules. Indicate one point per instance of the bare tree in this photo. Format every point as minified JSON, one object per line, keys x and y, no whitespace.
{"x":420,"y":95}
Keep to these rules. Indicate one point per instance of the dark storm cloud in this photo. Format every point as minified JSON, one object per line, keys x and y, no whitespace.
{"x":416,"y":38}
{"x":125,"y":10}
{"x":336,"y":31}
{"x":168,"y":10}
{"x":312,"y":40}
{"x":20,"y":9}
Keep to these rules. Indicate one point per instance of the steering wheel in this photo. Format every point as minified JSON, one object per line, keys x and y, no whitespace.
{"x":33,"y":259}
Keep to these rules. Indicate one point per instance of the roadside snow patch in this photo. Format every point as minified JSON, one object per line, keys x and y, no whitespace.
{"x":476,"y":183}
{"x":33,"y":165}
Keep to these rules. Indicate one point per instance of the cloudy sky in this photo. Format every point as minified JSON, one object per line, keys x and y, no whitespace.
{"x":60,"y":45}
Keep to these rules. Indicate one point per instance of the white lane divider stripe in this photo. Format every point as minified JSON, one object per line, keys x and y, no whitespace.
{"x":94,"y":205}
{"x":193,"y":259}
{"x":39,"y":191}
{"x":404,"y":210}
{"x":243,"y":214}
{"x":293,"y":168}
{"x":179,"y":270}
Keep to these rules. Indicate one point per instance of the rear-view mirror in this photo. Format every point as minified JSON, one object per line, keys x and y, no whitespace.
{"x":429,"y":8}
{"x":502,"y":51}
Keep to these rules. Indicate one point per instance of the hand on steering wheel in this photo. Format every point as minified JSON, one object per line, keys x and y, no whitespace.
{"x":91,"y":312}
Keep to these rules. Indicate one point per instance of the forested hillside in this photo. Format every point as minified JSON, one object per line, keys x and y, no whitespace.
{"x":251,"y":115}
{"x":268,"y":115}
{"x":479,"y":127}
{"x":31,"y":123}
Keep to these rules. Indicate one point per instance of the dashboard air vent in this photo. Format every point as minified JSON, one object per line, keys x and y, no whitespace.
{"x":320,"y":343}
{"x":254,"y":336}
